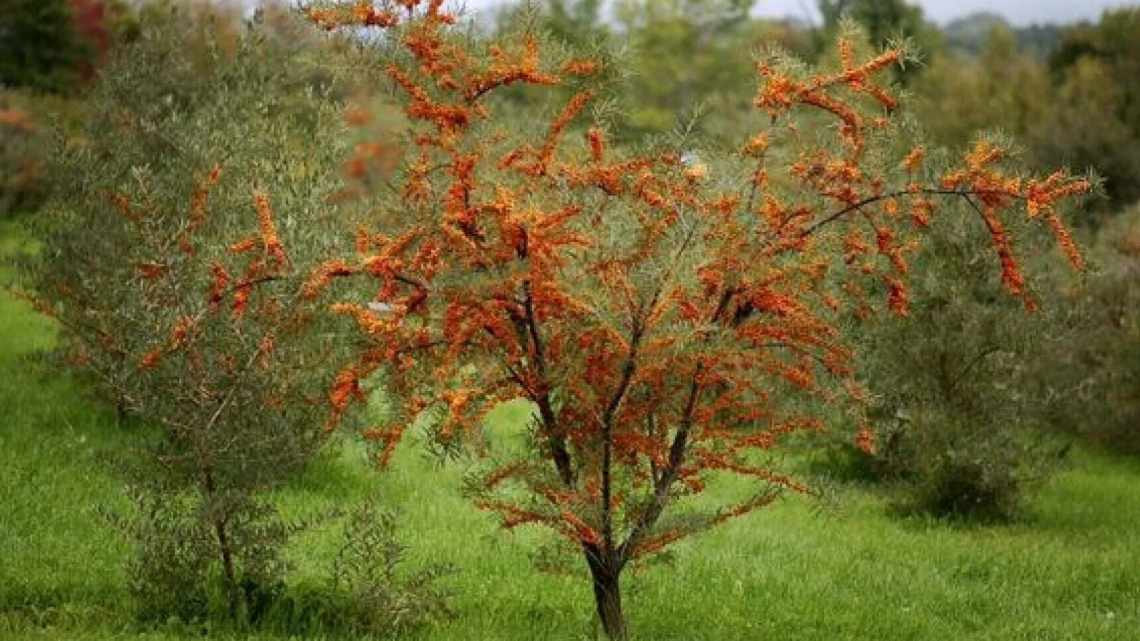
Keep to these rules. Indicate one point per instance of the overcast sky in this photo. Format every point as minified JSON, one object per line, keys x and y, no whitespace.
{"x":1019,"y":12}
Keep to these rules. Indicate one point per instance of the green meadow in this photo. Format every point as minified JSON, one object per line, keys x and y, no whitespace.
{"x":1069,"y":569}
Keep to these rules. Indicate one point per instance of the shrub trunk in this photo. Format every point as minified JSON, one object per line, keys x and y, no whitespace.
{"x":607,"y":596}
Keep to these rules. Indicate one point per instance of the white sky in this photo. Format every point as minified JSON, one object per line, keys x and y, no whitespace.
{"x":1019,"y":12}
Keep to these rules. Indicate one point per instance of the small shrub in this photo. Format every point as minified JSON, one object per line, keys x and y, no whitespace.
{"x":960,"y":418}
{"x":175,"y":574}
{"x":1093,"y":378}
{"x":369,"y":566}
{"x":170,"y":263}
{"x":370,"y":591}
{"x":951,"y":466}
{"x":168,"y":572}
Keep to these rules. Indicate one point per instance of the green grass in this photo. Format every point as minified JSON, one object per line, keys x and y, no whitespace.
{"x":1069,"y":570}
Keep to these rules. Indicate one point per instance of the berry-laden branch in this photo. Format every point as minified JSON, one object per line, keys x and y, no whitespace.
{"x":662,"y":320}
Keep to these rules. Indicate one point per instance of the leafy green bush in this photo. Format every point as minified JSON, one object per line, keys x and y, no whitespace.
{"x":1093,"y":379}
{"x":951,"y":465}
{"x":172,"y":263}
{"x":185,"y":125}
{"x":370,"y":591}
{"x":369,"y":566}
{"x":957,"y":416}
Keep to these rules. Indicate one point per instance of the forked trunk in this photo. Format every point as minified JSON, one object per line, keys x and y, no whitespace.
{"x":607,"y":597}
{"x":228,"y":568}
{"x":226,"y":548}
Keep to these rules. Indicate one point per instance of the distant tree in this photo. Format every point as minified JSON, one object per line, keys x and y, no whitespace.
{"x":1040,"y":40}
{"x":40,"y":46}
{"x":1000,"y":88}
{"x":50,"y":45}
{"x":1085,"y":126}
{"x":679,"y":59}
{"x":1094,"y":376}
{"x":686,"y":54}
{"x":575,"y":21}
{"x":969,"y":34}
{"x":665,"y":315}
{"x":883,"y":20}
{"x":92,"y":24}
{"x":1096,"y":119}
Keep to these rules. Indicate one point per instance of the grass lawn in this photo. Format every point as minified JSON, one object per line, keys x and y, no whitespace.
{"x":1069,"y":570}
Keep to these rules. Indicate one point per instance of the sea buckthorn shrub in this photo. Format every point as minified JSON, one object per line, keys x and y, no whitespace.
{"x":962,"y":418}
{"x":198,"y":187}
{"x":1093,"y":379}
{"x":666,"y":309}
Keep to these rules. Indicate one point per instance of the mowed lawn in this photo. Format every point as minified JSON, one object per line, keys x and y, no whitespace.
{"x":1069,"y":570}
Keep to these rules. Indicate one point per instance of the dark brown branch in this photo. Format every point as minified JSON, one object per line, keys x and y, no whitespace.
{"x":677,"y":449}
{"x":668,"y":475}
{"x":558,"y":449}
{"x":897,"y":194}
{"x":628,"y":369}
{"x":969,"y":366}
